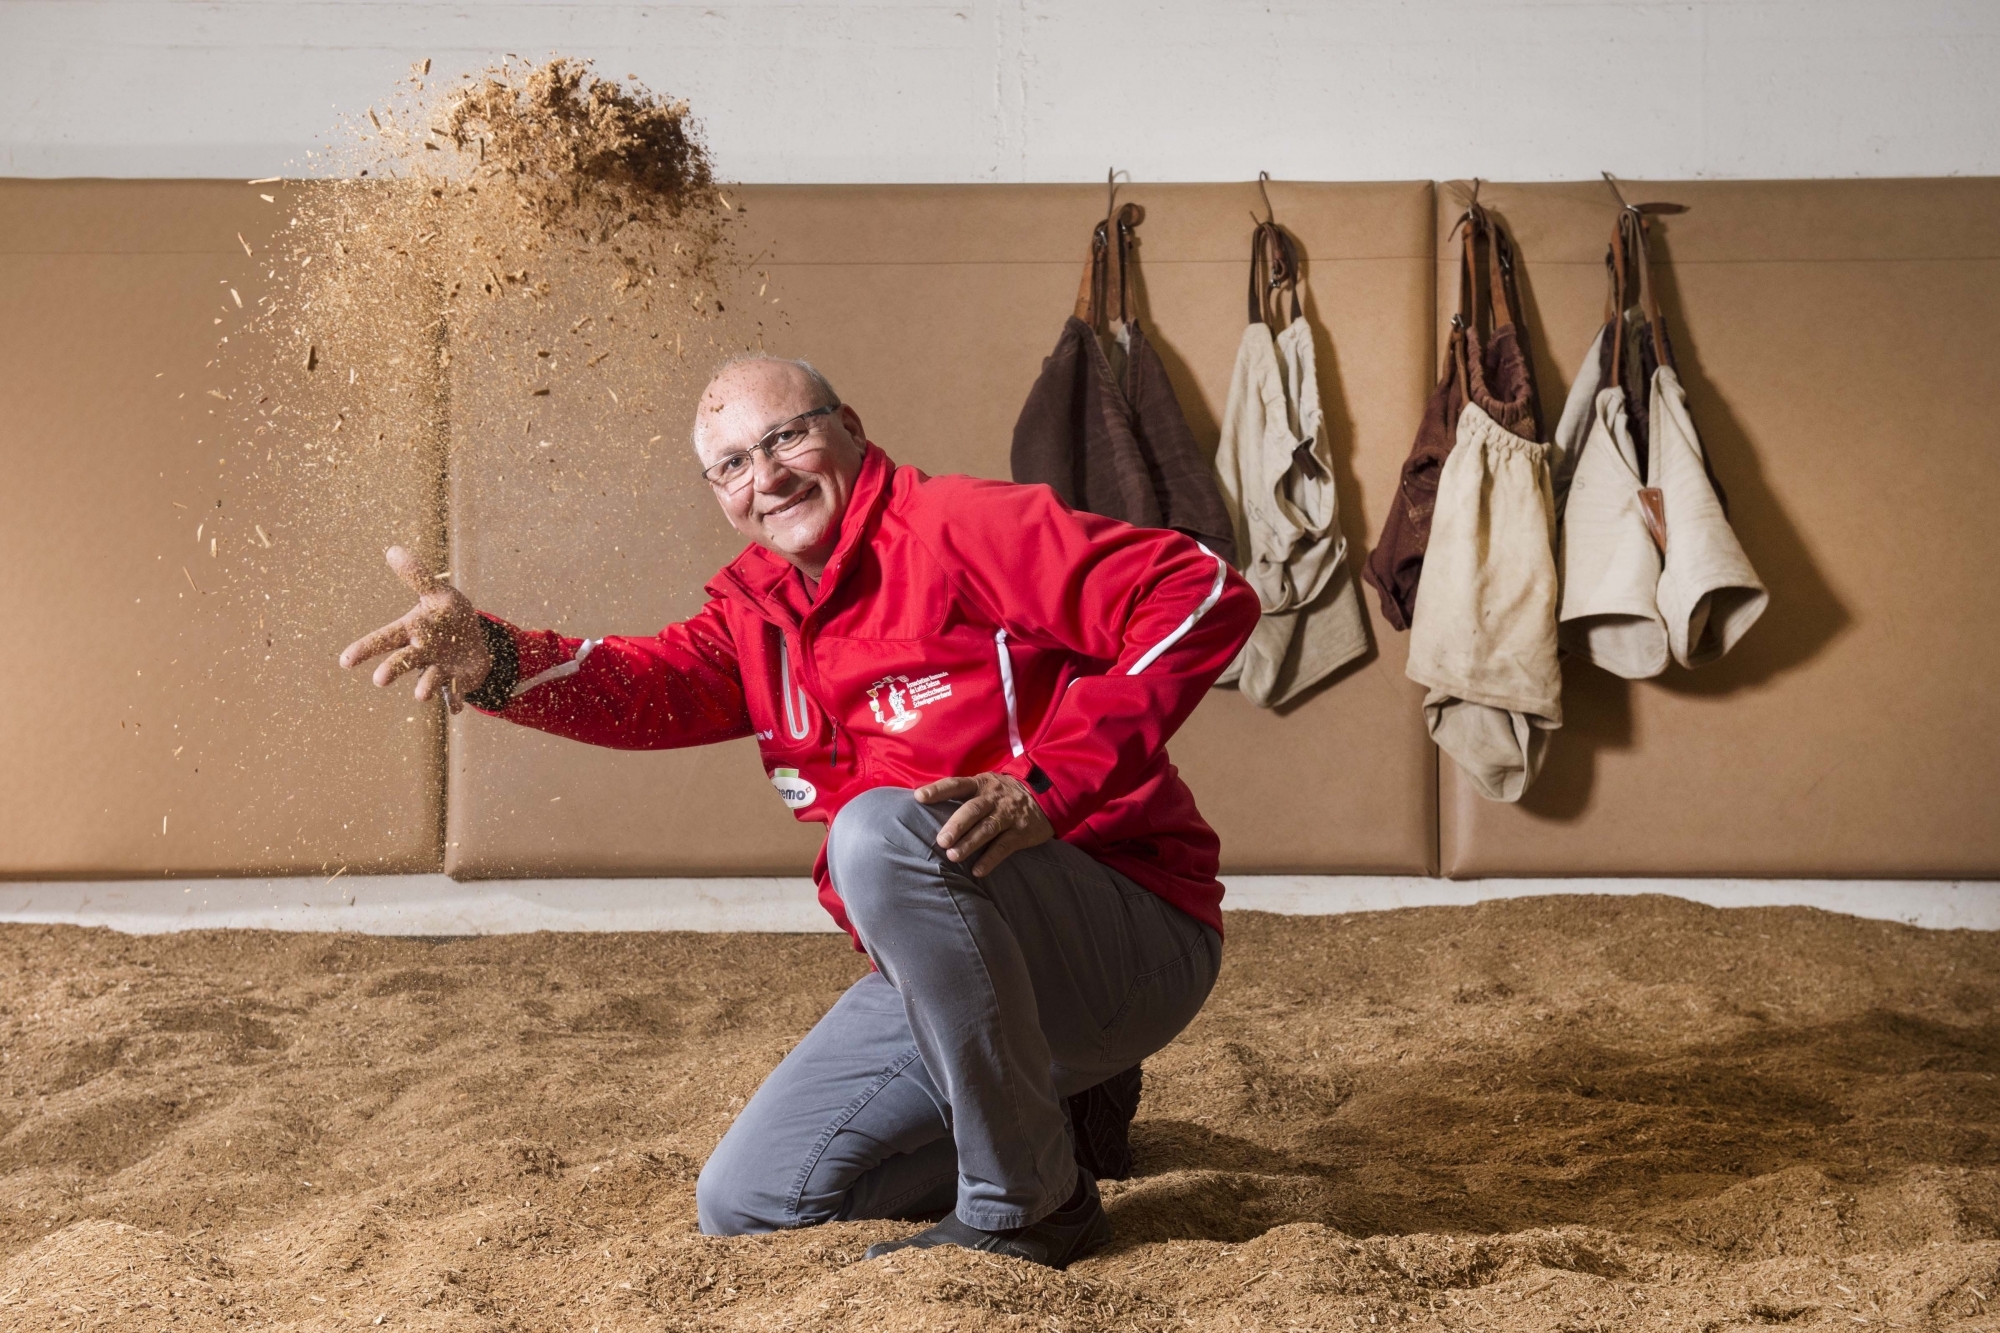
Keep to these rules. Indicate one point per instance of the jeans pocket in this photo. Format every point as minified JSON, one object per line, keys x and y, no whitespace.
{"x":1162,"y":1002}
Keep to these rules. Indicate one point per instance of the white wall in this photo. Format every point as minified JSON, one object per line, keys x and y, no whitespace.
{"x":1045,"y":90}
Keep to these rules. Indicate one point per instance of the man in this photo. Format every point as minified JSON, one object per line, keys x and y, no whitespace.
{"x":971,"y":686}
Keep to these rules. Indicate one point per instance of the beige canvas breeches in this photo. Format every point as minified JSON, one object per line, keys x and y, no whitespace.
{"x":1275,"y":465}
{"x":1483,"y":640}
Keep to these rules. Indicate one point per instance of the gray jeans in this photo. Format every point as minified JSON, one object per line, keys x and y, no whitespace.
{"x":938,"y":1080}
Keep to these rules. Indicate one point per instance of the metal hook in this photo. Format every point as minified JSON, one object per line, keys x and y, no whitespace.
{"x":1617,"y":193}
{"x":1110,"y":194}
{"x":1471,"y":207}
{"x":1270,"y":215}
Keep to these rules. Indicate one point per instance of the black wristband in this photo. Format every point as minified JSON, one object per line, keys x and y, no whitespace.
{"x":497,"y":690}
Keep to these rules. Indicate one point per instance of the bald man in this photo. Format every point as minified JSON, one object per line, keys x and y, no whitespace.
{"x":971,"y":686}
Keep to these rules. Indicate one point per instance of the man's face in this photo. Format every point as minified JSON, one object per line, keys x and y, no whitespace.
{"x":792,"y":506}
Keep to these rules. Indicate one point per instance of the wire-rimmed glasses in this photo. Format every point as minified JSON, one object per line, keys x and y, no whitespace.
{"x":784,"y":441}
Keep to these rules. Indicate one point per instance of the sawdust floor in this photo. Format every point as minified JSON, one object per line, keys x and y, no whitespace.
{"x":1554,"y":1114}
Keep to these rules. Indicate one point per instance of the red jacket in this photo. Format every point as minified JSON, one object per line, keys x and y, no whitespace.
{"x":962,"y":626}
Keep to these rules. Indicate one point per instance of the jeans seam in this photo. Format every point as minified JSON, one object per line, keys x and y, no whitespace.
{"x":952,"y":889}
{"x":834,"y":1126}
{"x":985,"y":973}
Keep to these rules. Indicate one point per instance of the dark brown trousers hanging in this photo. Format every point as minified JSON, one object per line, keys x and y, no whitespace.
{"x":1117,"y":443}
{"x":1489,"y":368}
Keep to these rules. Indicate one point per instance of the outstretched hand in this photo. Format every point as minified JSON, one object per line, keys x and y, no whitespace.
{"x":1000,"y":815}
{"x":440,"y":638}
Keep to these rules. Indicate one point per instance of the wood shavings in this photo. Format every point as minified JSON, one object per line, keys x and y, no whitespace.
{"x":269,"y":199}
{"x":262,"y":538}
{"x":245,"y":244}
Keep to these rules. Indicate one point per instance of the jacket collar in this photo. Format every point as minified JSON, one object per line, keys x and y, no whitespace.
{"x":754,"y":575}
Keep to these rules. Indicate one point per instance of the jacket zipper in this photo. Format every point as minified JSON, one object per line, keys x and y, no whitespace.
{"x":1007,"y":691}
{"x":797,"y":724}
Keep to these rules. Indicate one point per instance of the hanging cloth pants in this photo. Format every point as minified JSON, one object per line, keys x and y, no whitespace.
{"x":1113,"y":440}
{"x":1483,"y":637}
{"x":1275,"y":464}
{"x":1651,"y":567}
{"x":1626,"y":605}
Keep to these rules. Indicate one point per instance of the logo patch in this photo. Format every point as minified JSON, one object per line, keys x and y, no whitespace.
{"x":793,"y":790}
{"x":905,"y":699}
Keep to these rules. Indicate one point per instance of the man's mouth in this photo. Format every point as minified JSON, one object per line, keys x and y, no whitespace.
{"x":805,"y":493}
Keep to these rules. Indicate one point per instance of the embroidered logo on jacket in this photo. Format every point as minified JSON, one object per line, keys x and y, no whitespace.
{"x":906,"y":699}
{"x":796,"y":792}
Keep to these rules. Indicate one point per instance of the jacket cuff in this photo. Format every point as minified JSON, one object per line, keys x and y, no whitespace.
{"x":1038,"y":782}
{"x":497,"y":690}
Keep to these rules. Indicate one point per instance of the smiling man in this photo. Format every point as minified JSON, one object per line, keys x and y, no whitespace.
{"x":971,"y":686}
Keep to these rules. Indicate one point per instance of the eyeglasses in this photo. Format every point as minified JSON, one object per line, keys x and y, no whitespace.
{"x":783,"y":442}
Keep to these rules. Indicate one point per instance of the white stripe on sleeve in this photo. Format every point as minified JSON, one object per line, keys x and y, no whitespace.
{"x":558,"y":671}
{"x":1214,"y":596}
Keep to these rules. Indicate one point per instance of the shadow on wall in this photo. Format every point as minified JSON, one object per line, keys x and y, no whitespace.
{"x":1804,"y":615}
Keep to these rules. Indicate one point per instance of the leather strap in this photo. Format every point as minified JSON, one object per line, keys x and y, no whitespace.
{"x":1632,"y":280}
{"x":1106,"y":273}
{"x":1501,"y":299}
{"x":1274,"y":268}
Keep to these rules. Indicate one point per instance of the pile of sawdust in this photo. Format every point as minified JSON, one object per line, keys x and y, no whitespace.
{"x":1563,"y":1113}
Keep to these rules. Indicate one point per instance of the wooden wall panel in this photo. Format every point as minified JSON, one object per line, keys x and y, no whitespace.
{"x":1834,"y":338}
{"x":931,"y":309}
{"x":164,"y":710}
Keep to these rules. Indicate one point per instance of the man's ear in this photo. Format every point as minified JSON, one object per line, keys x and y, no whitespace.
{"x":851,"y":419}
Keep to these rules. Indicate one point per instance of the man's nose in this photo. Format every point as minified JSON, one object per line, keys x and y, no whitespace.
{"x":767,"y":473}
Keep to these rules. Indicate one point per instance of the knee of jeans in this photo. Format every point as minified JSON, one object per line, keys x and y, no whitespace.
{"x":727,"y":1199}
{"x":886,"y":821}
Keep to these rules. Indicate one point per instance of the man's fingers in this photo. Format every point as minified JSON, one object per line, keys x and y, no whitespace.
{"x":1004,"y":846}
{"x":427,"y":683}
{"x":945,"y":789}
{"x":393,"y":635}
{"x":396,"y":663}
{"x":411,"y":570}
{"x":962,"y":819}
{"x":976,"y":837}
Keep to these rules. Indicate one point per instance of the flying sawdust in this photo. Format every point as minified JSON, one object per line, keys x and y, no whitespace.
{"x":498,"y":293}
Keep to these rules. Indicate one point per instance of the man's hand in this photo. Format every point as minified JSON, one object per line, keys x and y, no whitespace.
{"x":1000,"y":815}
{"x":440,"y":637}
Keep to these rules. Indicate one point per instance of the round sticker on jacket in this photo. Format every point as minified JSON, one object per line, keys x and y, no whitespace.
{"x":793,"y":790}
